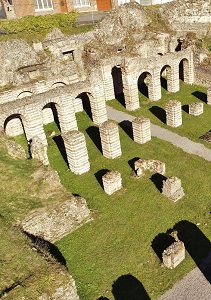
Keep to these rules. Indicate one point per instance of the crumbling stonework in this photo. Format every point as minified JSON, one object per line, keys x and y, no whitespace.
{"x":38,"y":150}
{"x":77,"y":155}
{"x":112,"y":182}
{"x":67,"y":291}
{"x":109,"y":135}
{"x":152,"y":165}
{"x":209,"y":95}
{"x":172,"y":189}
{"x":141,"y":130}
{"x":196,"y":108}
{"x":15,"y":150}
{"x":173,"y":113}
{"x":174,"y":255}
{"x":57,"y":221}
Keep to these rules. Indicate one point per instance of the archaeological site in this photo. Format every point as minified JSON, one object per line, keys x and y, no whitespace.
{"x":105,"y":146}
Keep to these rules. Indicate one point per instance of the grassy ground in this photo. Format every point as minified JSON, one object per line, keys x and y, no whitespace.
{"x":192,"y":127}
{"x":119,"y":240}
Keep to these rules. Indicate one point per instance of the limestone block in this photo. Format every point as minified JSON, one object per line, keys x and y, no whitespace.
{"x":77,"y":155}
{"x":112,"y":182}
{"x":39,"y":150}
{"x":78,"y":105}
{"x":109,"y":134}
{"x":209,"y":95}
{"x":141,"y":130}
{"x":172,"y":189}
{"x":173,"y":113}
{"x":174,"y":254}
{"x":149,"y":164}
{"x":196,"y":108}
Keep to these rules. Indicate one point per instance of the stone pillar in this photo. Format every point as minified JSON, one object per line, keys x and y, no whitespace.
{"x":39,"y":150}
{"x":209,"y":95}
{"x":78,"y":105}
{"x":98,"y":105}
{"x":66,"y":114}
{"x":112,"y":182}
{"x":173,"y":79}
{"x":33,"y":124}
{"x":109,"y":134}
{"x":154,"y":88}
{"x":77,"y":155}
{"x":141,"y":130}
{"x":196,"y":108}
{"x":130,"y":92}
{"x":107,"y":82}
{"x":188,"y":69}
{"x":173,"y":113}
{"x":174,"y":254}
{"x":172,"y":189}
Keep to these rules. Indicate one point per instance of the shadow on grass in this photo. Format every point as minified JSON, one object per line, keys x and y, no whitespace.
{"x":158,"y":179}
{"x":60,"y":145}
{"x":200,"y":95}
{"x":159,"y":112}
{"x":161,"y":242}
{"x":185,"y":107}
{"x":102,"y":298}
{"x":143,"y":89}
{"x":197,"y":245}
{"x":127,"y":287}
{"x":132,"y":161}
{"x":94,"y":135}
{"x":99,"y":175}
{"x":127,"y":127}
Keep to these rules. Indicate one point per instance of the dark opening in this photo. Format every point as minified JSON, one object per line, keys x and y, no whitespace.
{"x":86,"y":103}
{"x":55,"y":114}
{"x":118,"y":84}
{"x":181,"y":71}
{"x":142,"y":84}
{"x":69,"y":54}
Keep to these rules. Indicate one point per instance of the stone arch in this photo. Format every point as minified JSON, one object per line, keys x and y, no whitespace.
{"x":144,"y":83}
{"x":116,"y":73}
{"x":86,"y":99}
{"x":24,"y":94}
{"x":165,"y":76}
{"x":58,"y":84}
{"x":13,"y":125}
{"x":184,"y":70}
{"x":50,"y":112}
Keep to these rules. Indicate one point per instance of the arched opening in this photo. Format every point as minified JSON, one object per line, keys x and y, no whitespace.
{"x":165,"y":75}
{"x":183,"y":70}
{"x":50,"y":115}
{"x":58,"y":84}
{"x":83,"y":100}
{"x":144,"y":81}
{"x":116,"y":73}
{"x":13,"y":125}
{"x":24,"y":94}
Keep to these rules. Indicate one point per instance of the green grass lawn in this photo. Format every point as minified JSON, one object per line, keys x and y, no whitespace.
{"x":192,"y":126}
{"x":118,"y":241}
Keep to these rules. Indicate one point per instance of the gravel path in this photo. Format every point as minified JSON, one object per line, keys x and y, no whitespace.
{"x":193,"y":286}
{"x":181,"y":142}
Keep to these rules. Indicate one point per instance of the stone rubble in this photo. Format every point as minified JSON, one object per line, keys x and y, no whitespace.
{"x":196,"y":108}
{"x":152,"y":165}
{"x":172,"y":189}
{"x":112,"y":182}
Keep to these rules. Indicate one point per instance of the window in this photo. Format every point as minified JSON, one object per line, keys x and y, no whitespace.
{"x":43,"y":4}
{"x":81,"y":3}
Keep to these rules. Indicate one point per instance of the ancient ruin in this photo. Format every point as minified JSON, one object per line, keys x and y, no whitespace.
{"x":172,"y":189}
{"x":196,"y":108}
{"x":109,"y":135}
{"x":112,"y":182}
{"x":152,"y":165}
{"x":173,"y":113}
{"x":174,"y":255}
{"x":141,"y":130}
{"x":209,"y":96}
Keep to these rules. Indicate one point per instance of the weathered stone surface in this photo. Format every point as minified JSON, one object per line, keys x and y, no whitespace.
{"x":174,"y":113}
{"x":112,"y":182}
{"x":196,"y":108}
{"x":58,"y":220}
{"x":141,"y":130}
{"x":172,"y":189}
{"x":15,"y":150}
{"x":39,"y":150}
{"x":174,"y":255}
{"x":152,"y":165}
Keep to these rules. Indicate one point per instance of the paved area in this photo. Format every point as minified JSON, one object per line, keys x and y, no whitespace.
{"x":181,"y":142}
{"x":193,"y":286}
{"x":91,"y":17}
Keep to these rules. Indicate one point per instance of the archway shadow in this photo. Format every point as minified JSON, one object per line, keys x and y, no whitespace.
{"x":200,"y":95}
{"x":127,"y":287}
{"x":161,"y":242}
{"x":185,"y":108}
{"x":143,"y":89}
{"x":159,"y":112}
{"x":60,"y":145}
{"x":197,"y":245}
{"x":86,"y":104}
{"x":55,"y":115}
{"x":163,"y":82}
{"x":94,"y":134}
{"x":132,"y":161}
{"x":158,"y":179}
{"x":127,"y":127}
{"x":120,"y":98}
{"x":99,"y":174}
